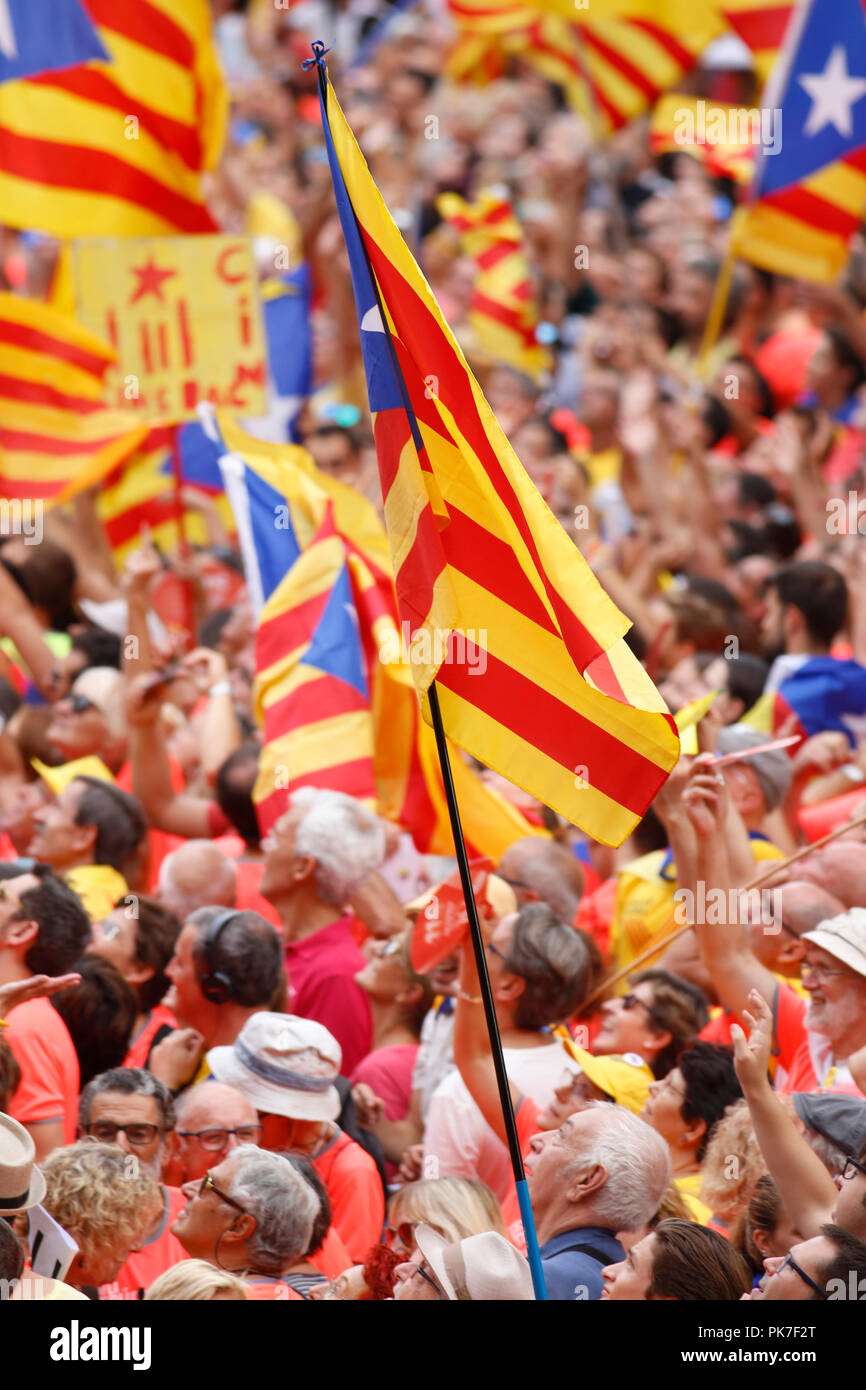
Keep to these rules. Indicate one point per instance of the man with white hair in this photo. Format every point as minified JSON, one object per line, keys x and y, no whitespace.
{"x":603,"y":1171}
{"x":252,"y":1215}
{"x":196,"y":875}
{"x":317,"y":855}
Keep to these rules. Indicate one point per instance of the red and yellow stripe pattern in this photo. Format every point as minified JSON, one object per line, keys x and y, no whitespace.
{"x":612,"y":58}
{"x":559,"y":705}
{"x":118,"y":148}
{"x":56,"y":436}
{"x":406,"y":770}
{"x":723,"y":158}
{"x":761,"y":25}
{"x":503,"y":313}
{"x":139,"y":493}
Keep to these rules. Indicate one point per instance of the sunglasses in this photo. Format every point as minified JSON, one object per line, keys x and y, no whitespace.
{"x":208,"y":1185}
{"x":789,"y":1260}
{"x":79,"y":704}
{"x":404,"y":1233}
{"x":632,"y":1000}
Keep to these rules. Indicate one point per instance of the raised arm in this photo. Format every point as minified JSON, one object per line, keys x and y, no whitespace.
{"x":175,"y":812}
{"x":472,"y":1045}
{"x":714,"y":904}
{"x":807,"y":1191}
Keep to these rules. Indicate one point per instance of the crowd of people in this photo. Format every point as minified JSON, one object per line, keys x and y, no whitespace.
{"x":221,"y":1073}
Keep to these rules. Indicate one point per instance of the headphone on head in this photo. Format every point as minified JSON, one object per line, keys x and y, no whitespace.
{"x":216,"y":986}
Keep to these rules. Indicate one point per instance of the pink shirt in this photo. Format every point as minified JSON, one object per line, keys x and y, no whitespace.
{"x":388,"y":1072}
{"x":321,"y":970}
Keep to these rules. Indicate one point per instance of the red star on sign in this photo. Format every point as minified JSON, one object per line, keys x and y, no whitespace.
{"x":149,"y":280}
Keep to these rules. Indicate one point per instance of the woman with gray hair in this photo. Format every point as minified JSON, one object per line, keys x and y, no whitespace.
{"x":252,"y":1216}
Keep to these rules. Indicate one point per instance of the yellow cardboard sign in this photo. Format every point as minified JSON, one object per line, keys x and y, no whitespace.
{"x":183,"y":316}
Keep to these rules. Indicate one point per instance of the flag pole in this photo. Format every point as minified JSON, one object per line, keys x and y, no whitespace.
{"x":183,"y":541}
{"x":502,"y":1081}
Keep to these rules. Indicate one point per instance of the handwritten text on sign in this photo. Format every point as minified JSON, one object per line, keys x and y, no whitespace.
{"x":182,"y":313}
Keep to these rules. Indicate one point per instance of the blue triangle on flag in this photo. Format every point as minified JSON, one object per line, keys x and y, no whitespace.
{"x":336,"y":644}
{"x":45,"y":36}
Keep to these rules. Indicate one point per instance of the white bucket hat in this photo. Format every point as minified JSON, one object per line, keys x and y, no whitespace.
{"x":22,"y":1185}
{"x":843,"y":937}
{"x":284,"y":1065}
{"x":479,"y":1269}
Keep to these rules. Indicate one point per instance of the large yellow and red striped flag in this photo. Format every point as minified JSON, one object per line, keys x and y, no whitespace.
{"x":612,"y":58}
{"x":503,"y":313}
{"x":56,"y":436}
{"x":326,"y":730}
{"x":527,"y":651}
{"x":118,"y":145}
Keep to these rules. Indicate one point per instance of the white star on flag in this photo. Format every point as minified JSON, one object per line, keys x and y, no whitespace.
{"x":833,"y":94}
{"x":8,"y":46}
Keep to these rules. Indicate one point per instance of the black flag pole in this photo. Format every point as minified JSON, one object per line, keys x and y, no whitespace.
{"x":502,"y":1082}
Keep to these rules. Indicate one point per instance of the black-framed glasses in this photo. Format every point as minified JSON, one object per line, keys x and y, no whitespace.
{"x":208,"y":1185}
{"x":138,"y":1135}
{"x":630,"y":1000}
{"x":852,"y":1166}
{"x":496,"y":951}
{"x":419,"y":1269}
{"x":215,"y":1139}
{"x":789,"y":1260}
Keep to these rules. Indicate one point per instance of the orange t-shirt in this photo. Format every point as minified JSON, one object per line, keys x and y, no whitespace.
{"x":355,"y":1193}
{"x":159,"y":1254}
{"x":50,"y":1076}
{"x":332,"y":1258}
{"x":526,"y":1123}
{"x":139,"y":1048}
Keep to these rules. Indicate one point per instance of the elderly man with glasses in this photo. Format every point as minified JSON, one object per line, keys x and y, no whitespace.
{"x":253,"y":1216}
{"x":815,"y":1038}
{"x":212,"y":1120}
{"x":132,"y":1109}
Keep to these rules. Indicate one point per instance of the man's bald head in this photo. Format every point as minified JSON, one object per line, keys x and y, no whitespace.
{"x":197,"y":875}
{"x":540,"y":869}
{"x":805,"y":904}
{"x":208,"y":1118}
{"x":213,"y":1104}
{"x":840,"y":867}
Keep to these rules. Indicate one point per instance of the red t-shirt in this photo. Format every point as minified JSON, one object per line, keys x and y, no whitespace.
{"x":139,"y":1048}
{"x":159,"y":1254}
{"x":355,"y":1193}
{"x":249,"y":899}
{"x":332,"y":1258}
{"x":321,"y":969}
{"x":50,"y":1076}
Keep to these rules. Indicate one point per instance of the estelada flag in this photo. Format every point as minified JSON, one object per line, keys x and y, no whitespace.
{"x":112,"y":128}
{"x":56,"y":435}
{"x":808,"y":196}
{"x":532,"y":672}
{"x":369,"y":696}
